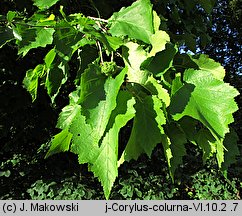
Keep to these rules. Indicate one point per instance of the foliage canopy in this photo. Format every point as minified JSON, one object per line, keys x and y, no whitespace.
{"x":130,"y":69}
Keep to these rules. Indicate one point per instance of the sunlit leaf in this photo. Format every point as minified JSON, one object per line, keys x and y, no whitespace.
{"x":60,"y":143}
{"x":158,"y":42}
{"x":206,"y":99}
{"x":105,"y":166}
{"x":136,"y":21}
{"x":44,"y":4}
{"x":31,"y":80}
{"x":207,"y":64}
{"x":134,"y":55}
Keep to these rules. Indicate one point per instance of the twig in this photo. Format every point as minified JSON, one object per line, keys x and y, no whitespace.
{"x":98,"y":19}
{"x":100,"y":51}
{"x":111,"y":56}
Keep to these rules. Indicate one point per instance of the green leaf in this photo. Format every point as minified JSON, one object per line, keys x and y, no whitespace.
{"x":105,"y":166}
{"x":232,"y":150}
{"x":44,"y":4}
{"x":60,"y":143}
{"x":190,"y":40}
{"x":16,"y":33}
{"x":83,"y":23}
{"x":161,"y":62}
{"x":67,"y":115}
{"x":6,"y":35}
{"x":109,"y":47}
{"x":85,"y":139}
{"x":206,"y":99}
{"x":86,"y":55}
{"x":31,"y":80}
{"x":49,"y":58}
{"x":74,"y":97}
{"x":189,"y":127}
{"x":136,"y":21}
{"x":134,"y":55}
{"x":207,"y":143}
{"x":178,"y":140}
{"x":114,"y":42}
{"x":147,"y":131}
{"x":207,"y":64}
{"x":220,"y":152}
{"x":98,"y":117}
{"x":67,"y":40}
{"x":40,"y":19}
{"x":34,"y":38}
{"x":166,"y":143}
{"x":92,"y":86}
{"x":156,"y":21}
{"x":11,"y":15}
{"x":182,"y":61}
{"x":157,"y":89}
{"x":176,"y":84}
{"x":56,"y":76}
{"x":103,"y":159}
{"x":158,"y":42}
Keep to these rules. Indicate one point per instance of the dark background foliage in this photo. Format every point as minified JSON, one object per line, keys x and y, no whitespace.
{"x":26,"y":127}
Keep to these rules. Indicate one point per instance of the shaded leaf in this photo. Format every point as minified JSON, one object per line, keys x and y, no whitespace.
{"x":98,"y":117}
{"x":182,"y":61}
{"x":92,"y":86}
{"x":207,"y":5}
{"x":190,"y":40}
{"x":86,"y":55}
{"x":177,"y":144}
{"x":188,"y":126}
{"x":207,"y":143}
{"x":6,"y":35}
{"x":161,"y":62}
{"x":67,"y":40}
{"x":232,"y":150}
{"x":56,"y":77}
{"x":34,"y":38}
{"x":147,"y":131}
